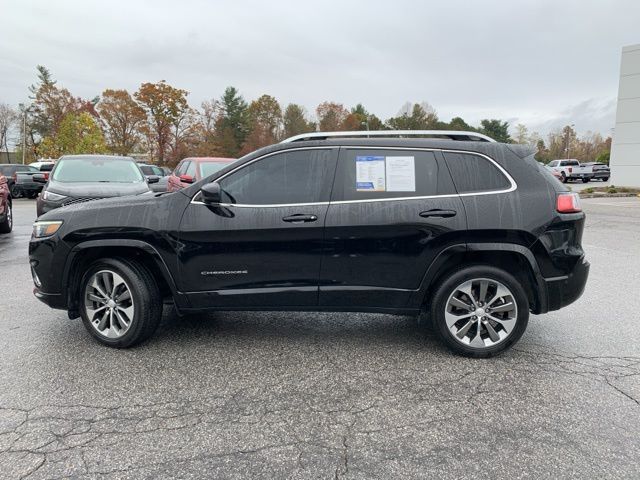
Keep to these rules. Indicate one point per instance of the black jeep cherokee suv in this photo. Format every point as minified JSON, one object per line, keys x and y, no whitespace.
{"x":474,"y":234}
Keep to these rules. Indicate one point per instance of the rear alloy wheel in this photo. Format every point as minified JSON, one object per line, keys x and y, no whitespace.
{"x":121,"y":304}
{"x":15,"y":192}
{"x":7,"y":224}
{"x":480,"y":311}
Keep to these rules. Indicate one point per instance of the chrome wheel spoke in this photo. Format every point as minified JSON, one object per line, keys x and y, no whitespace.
{"x":463,"y":331}
{"x":477,"y":339}
{"x":103,"y":321}
{"x":501,"y":292}
{"x":452,"y":319}
{"x":493,"y":335}
{"x":506,"y":307}
{"x":126,"y":295}
{"x":95,"y":298}
{"x":456,"y":302}
{"x":507,"y":324}
{"x":484,"y":285}
{"x":466,"y":289}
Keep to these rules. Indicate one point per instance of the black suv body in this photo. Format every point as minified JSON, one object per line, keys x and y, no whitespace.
{"x":474,"y":234}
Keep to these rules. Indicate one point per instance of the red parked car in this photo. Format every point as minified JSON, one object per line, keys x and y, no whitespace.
{"x":192,"y":169}
{"x":6,"y":216}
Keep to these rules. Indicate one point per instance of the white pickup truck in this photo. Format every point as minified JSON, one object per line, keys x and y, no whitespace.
{"x":571,"y":169}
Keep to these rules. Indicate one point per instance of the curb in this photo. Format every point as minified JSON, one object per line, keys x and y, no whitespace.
{"x":607,"y":195}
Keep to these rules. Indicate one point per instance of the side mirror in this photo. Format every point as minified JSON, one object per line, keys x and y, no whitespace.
{"x":153,"y":179}
{"x":186,"y":178}
{"x":39,"y":178}
{"x":211,"y":194}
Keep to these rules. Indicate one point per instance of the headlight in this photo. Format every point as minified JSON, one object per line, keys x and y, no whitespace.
{"x":47,"y":195}
{"x":46,"y":229}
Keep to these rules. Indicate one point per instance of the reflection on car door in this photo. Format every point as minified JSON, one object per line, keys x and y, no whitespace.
{"x":263,"y":246}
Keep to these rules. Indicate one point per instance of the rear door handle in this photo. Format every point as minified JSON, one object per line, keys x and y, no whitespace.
{"x":436,"y":212}
{"x":300,"y":218}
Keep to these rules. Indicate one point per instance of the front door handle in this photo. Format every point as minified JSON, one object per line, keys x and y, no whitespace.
{"x":436,"y":212}
{"x":300,"y":218}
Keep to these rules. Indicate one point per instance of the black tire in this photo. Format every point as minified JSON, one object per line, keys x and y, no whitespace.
{"x":15,"y":192}
{"x":7,"y":224}
{"x":33,"y":195}
{"x":144,"y":292}
{"x":605,"y":179}
{"x":585,"y":180}
{"x":564,"y":177}
{"x":447,"y":287}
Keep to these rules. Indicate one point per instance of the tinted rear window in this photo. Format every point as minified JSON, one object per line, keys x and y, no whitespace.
{"x":378,"y":173}
{"x":473,"y":173}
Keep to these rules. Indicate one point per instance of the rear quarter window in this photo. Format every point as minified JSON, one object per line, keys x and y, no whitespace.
{"x":472,"y":173}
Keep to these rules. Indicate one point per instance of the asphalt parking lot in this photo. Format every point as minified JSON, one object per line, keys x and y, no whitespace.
{"x":299,"y":395}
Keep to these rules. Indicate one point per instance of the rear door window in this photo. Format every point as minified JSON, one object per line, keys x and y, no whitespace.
{"x":379,"y":174}
{"x":474,"y":173}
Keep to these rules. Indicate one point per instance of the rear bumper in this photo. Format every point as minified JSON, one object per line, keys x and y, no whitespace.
{"x":54,"y":300}
{"x":562,"y":291}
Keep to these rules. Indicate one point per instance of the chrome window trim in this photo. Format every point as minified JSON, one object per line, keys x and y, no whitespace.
{"x":512,"y":187}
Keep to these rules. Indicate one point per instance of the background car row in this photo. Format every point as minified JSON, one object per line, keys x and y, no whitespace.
{"x":571,"y":169}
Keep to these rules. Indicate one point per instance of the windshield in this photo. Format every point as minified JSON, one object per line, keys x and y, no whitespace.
{"x":207,"y":168}
{"x":99,"y":169}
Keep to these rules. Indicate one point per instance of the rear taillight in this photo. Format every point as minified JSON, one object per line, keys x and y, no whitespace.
{"x":46,"y":175}
{"x":568,"y":203}
{"x":570,"y":169}
{"x":15,"y":176}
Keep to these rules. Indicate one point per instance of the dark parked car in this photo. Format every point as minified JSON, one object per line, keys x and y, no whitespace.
{"x":10,"y":171}
{"x":601,"y":171}
{"x":83,"y":178}
{"x":193,"y":169}
{"x":24,"y":184}
{"x":152,"y":171}
{"x":475,"y":234}
{"x":6,"y":212}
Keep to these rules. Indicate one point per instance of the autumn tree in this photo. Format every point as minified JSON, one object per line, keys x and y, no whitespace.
{"x":265,"y":123}
{"x":165,"y":107}
{"x":233,"y":122}
{"x":295,"y":121}
{"x":122,"y":118}
{"x":204,"y":129}
{"x":78,"y":133}
{"x":414,"y":117}
{"x":496,"y":129}
{"x":8,"y":117}
{"x":331,"y":116}
{"x":50,"y":104}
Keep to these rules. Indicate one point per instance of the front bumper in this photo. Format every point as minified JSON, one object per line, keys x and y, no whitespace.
{"x":562,"y":291}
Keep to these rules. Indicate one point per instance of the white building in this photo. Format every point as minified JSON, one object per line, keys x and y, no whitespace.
{"x":625,"y":150}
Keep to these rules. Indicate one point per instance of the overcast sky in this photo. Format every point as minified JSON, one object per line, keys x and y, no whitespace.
{"x":542,"y":63}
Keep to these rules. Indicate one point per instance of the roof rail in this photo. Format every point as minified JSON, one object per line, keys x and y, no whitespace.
{"x":452,"y":134}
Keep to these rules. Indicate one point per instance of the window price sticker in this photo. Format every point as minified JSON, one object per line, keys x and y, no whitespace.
{"x":370,"y":174}
{"x":385,"y":174}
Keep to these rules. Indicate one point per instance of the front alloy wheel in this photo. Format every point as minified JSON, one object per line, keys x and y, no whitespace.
{"x":108,"y":304}
{"x":120,"y":302}
{"x":481,"y":313}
